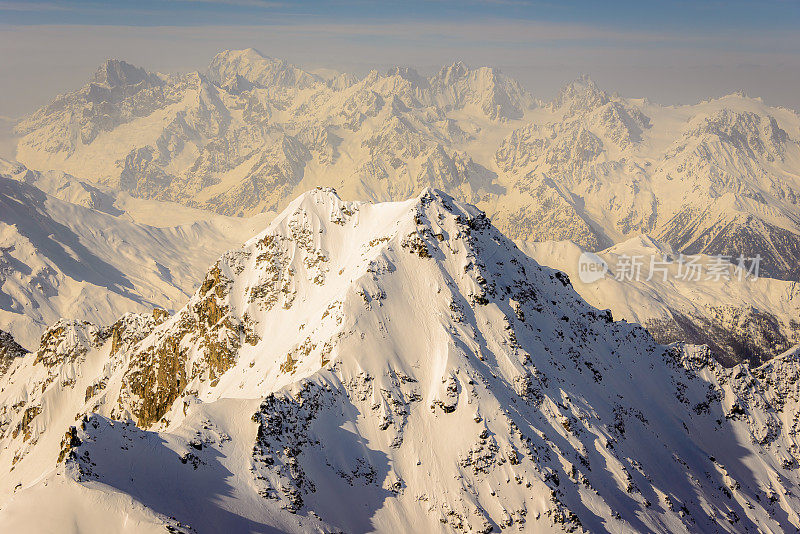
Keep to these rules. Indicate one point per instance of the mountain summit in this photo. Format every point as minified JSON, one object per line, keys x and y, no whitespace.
{"x":258,"y":69}
{"x":395,"y":366}
{"x":115,"y":73}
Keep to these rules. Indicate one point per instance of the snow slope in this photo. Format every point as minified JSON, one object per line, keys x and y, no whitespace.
{"x":740,"y":320}
{"x":391,"y":367}
{"x":80,"y":256}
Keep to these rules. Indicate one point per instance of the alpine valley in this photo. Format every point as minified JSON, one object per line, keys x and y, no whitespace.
{"x":414,"y":350}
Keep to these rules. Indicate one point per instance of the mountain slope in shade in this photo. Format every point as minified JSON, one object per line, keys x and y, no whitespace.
{"x":10,"y":350}
{"x":749,"y":320}
{"x":391,"y":367}
{"x":252,"y":132}
{"x":81,"y":258}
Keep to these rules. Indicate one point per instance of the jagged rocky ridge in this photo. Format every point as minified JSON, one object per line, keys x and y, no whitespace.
{"x":389,"y":367}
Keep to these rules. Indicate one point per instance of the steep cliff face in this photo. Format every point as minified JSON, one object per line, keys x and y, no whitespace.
{"x":385,"y":367}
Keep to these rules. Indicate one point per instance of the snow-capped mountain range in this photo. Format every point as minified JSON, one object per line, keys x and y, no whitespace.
{"x":392,"y":367}
{"x":252,"y":132}
{"x":386,"y":364}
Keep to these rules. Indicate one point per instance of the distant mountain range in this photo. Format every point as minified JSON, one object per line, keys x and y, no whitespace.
{"x":252,"y":132}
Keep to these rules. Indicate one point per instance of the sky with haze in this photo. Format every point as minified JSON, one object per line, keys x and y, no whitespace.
{"x":674,"y":51}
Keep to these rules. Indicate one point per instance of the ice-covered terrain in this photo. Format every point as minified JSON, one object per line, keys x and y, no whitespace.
{"x":391,"y":367}
{"x":251,"y":132}
{"x":79,"y":252}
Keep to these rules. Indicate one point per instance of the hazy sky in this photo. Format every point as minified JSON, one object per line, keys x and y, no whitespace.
{"x":670,"y":51}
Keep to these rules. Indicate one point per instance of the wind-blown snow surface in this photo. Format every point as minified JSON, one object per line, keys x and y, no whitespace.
{"x":79,"y":256}
{"x":391,"y":367}
{"x":252,"y":132}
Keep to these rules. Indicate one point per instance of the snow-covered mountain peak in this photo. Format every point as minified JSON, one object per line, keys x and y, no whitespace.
{"x":496,"y":95}
{"x":260,"y":70}
{"x":478,"y":78}
{"x":320,"y":268}
{"x":451,"y":73}
{"x":248,"y":55}
{"x":326,"y":204}
{"x":116,"y":73}
{"x":756,"y":135}
{"x":409,"y":74}
{"x":580,"y":95}
{"x":384,"y":350}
